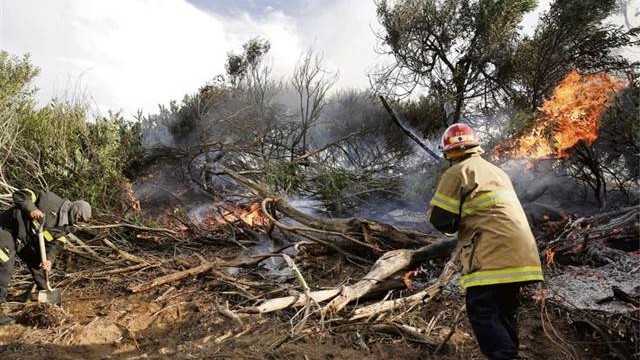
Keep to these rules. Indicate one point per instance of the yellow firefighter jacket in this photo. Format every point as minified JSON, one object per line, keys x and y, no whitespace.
{"x":497,"y":244}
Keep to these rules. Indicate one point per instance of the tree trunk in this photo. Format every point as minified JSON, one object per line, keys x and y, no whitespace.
{"x":382,"y":235}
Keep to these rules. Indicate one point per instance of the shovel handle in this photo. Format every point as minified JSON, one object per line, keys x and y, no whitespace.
{"x":43,"y":253}
{"x":46,"y":279}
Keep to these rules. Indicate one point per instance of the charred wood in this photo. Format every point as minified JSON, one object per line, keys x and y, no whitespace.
{"x":381,"y":235}
{"x":597,"y":240}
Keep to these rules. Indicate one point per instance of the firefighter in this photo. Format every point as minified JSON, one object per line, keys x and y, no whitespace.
{"x":19,"y":234}
{"x":498,"y":251}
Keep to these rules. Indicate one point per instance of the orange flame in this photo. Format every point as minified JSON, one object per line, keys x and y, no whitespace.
{"x":407,"y":278}
{"x":572,"y":114}
{"x":251,"y":215}
{"x":550,"y":256}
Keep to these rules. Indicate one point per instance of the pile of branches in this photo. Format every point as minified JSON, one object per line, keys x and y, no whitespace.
{"x":157,"y":259}
{"x":608,"y":241}
{"x":126,"y":250}
{"x":606,"y":238}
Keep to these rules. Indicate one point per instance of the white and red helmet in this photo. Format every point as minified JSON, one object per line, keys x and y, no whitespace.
{"x":459,"y":136}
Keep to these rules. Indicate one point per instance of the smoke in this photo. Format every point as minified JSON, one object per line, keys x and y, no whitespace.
{"x":538,"y":182}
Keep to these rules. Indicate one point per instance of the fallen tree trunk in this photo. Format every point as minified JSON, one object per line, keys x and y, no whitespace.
{"x":378,"y":279}
{"x":384,"y":236}
{"x":386,"y":266}
{"x":421,"y":297}
{"x":597,"y":240}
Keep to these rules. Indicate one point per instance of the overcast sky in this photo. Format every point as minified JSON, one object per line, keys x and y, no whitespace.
{"x":134,"y":54}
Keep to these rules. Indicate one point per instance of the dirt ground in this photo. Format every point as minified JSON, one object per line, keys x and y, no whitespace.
{"x":102,"y":320}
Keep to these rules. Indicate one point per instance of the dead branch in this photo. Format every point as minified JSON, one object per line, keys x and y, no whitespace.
{"x":224,"y":310}
{"x":296,"y":229}
{"x":378,"y":279}
{"x":131,"y":226}
{"x":85,"y":247}
{"x":452,"y":330}
{"x":418,"y":298}
{"x":317,"y":151}
{"x":303,"y":283}
{"x":125,"y":255}
{"x":173,"y":277}
{"x":72,"y":248}
{"x":388,"y":264}
{"x":410,"y":333}
{"x":388,"y":237}
{"x":291,"y":301}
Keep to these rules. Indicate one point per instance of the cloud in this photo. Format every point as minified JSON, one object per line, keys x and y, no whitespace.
{"x":530,"y":20}
{"x":131,"y":54}
{"x":135,"y":54}
{"x":343,"y":31}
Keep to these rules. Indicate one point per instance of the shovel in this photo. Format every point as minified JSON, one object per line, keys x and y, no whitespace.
{"x":48,"y":295}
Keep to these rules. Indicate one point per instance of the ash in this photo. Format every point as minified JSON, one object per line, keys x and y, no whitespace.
{"x":582,"y":286}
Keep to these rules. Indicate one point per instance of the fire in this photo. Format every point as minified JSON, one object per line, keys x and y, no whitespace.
{"x":550,"y":256}
{"x":572,"y":114}
{"x":251,"y":215}
{"x":406,"y":278}
{"x":129,"y":197}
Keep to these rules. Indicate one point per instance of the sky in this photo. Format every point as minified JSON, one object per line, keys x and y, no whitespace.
{"x":135,"y":54}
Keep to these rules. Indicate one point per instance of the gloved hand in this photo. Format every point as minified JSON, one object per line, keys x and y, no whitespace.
{"x":36,"y":215}
{"x":46,"y":266}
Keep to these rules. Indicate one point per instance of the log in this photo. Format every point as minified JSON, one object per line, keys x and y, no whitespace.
{"x":597,"y":240}
{"x":421,"y":297}
{"x":291,"y":301}
{"x":388,"y":264}
{"x":387,"y":236}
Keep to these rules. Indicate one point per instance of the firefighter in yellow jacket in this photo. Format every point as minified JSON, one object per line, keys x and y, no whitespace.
{"x":498,"y":251}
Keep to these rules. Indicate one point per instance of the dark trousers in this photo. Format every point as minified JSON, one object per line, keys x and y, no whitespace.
{"x":8,"y":256}
{"x":492,"y":312}
{"x":28,"y":254}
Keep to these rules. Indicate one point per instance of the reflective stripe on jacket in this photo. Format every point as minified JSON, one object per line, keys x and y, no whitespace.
{"x":493,"y":232}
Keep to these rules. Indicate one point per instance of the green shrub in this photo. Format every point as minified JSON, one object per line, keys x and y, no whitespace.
{"x":57,"y":148}
{"x":284,"y":176}
{"x":333,"y":186}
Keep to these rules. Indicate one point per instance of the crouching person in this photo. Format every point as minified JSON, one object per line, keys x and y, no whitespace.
{"x":19,"y":236}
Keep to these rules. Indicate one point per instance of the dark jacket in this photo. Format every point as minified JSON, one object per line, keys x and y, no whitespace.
{"x":49,"y":203}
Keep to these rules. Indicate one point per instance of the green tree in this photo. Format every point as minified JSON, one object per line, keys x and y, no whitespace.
{"x":573,"y":34}
{"x":450,"y":47}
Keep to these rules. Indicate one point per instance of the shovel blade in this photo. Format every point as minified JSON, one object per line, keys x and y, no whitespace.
{"x":52,"y":297}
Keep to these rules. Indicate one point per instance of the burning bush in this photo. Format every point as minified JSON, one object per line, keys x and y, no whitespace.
{"x":570,"y":116}
{"x":569,"y":129}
